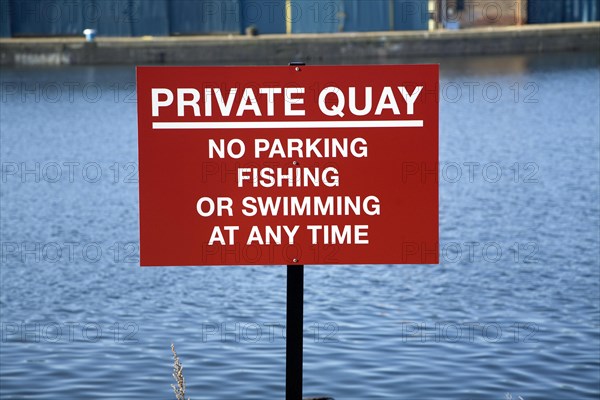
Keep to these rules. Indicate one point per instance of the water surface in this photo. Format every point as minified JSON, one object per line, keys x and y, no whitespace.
{"x":512,"y":310}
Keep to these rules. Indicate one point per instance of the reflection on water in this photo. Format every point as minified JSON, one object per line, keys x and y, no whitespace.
{"x":512,"y":310}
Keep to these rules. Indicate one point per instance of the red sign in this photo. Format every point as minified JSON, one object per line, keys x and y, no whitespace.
{"x":288,"y":165}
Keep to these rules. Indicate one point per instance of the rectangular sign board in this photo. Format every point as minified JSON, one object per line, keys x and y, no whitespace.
{"x":288,"y":165}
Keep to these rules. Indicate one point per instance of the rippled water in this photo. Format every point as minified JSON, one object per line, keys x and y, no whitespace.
{"x":513,"y":309}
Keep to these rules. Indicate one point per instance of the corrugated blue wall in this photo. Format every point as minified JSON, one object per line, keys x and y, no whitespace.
{"x":51,"y":17}
{"x":410,"y":15}
{"x":360,"y":15}
{"x":268,"y":16}
{"x":549,"y":11}
{"x":204,"y":16}
{"x":4,"y":19}
{"x":71,"y":17}
{"x":188,"y":17}
{"x":323,"y":16}
{"x":326,"y":16}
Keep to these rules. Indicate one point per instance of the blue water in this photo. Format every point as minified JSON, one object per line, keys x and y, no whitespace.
{"x":512,"y":310}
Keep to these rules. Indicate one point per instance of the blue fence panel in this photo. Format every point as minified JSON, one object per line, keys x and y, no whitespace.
{"x":109,"y":18}
{"x":45,"y":17}
{"x":327,"y":16}
{"x":71,"y":17}
{"x":125,"y":17}
{"x":553,"y":11}
{"x":150,"y":18}
{"x":582,"y":11}
{"x":367,"y":15}
{"x":268,"y":16}
{"x":5,"y":18}
{"x":204,"y":16}
{"x":544,"y":12}
{"x":410,"y":15}
{"x":317,"y":16}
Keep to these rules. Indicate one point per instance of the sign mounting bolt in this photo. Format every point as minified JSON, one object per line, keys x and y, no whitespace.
{"x":295,"y":260}
{"x":295,"y":162}
{"x":297,"y":69}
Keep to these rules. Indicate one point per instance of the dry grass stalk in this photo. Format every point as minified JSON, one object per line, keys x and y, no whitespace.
{"x":178,"y":375}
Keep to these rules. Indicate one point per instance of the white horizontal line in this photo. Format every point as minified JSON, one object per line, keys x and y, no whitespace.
{"x":289,"y":124}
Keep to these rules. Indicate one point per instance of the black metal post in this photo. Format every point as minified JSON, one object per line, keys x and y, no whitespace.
{"x":294,"y":326}
{"x":294,"y":322}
